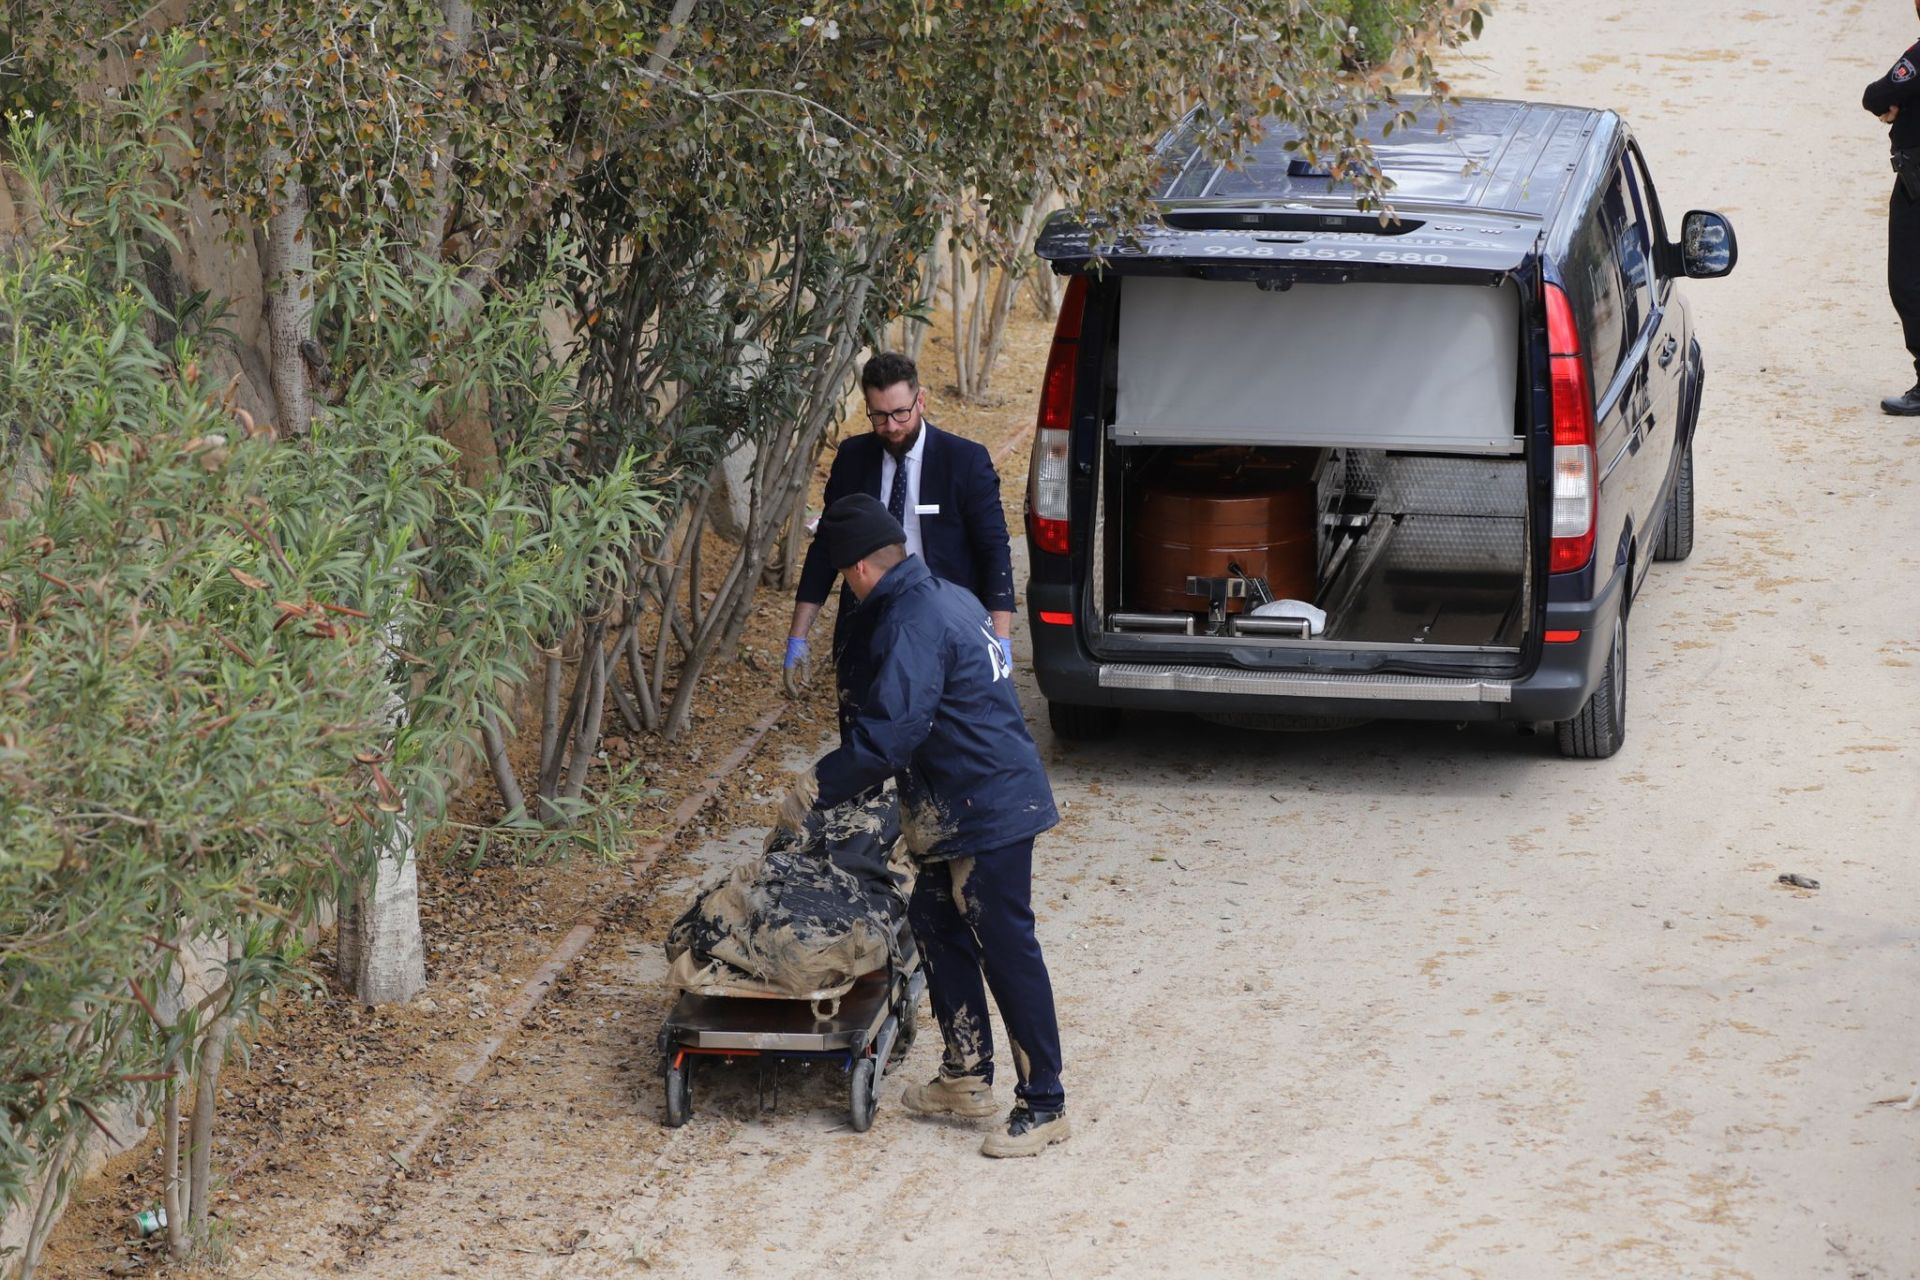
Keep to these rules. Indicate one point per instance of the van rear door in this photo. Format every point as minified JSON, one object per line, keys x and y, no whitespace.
{"x":1470,"y":255}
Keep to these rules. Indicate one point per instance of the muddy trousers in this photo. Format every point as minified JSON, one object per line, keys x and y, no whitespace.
{"x":973,"y":919}
{"x":1903,"y":266}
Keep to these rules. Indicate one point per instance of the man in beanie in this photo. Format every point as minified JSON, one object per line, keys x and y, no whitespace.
{"x":941,"y":489}
{"x":927,"y":699}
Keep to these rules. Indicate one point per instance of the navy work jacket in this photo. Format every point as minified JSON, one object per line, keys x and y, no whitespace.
{"x":927,"y":699}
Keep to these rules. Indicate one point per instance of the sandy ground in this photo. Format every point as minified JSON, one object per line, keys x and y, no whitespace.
{"x":1408,"y":1000}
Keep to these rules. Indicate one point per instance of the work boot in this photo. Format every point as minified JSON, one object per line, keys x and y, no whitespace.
{"x":968,"y":1096}
{"x":1029,"y":1132}
{"x":1904,"y":405}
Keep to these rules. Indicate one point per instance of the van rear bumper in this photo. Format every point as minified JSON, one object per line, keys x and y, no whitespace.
{"x":1556,"y":689}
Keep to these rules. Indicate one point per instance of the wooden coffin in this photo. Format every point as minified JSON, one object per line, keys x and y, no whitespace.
{"x":1217,"y":509}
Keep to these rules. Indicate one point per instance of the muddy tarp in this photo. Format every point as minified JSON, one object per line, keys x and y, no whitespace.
{"x":803,"y":918}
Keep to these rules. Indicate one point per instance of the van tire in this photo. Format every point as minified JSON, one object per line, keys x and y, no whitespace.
{"x":1074,"y":722}
{"x":1676,"y":530}
{"x":1601,"y":727}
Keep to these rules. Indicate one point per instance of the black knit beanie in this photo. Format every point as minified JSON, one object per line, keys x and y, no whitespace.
{"x":855,"y":527}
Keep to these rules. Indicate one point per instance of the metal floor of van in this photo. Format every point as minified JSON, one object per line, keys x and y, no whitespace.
{"x":1440,"y":559}
{"x":1485,"y":610}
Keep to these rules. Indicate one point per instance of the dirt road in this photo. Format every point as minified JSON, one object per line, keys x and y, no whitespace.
{"x":1414,"y":1001}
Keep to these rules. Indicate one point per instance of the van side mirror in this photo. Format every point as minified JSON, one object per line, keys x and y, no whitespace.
{"x":1707,"y":245}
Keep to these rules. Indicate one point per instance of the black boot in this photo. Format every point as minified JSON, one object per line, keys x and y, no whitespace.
{"x":1905,"y":405}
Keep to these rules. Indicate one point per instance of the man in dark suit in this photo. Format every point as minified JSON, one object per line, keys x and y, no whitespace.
{"x":942,"y":489}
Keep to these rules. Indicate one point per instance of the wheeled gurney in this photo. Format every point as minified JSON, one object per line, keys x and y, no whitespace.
{"x":867,"y":1030}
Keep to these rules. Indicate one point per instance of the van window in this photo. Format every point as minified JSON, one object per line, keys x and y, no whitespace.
{"x":1593,"y":286}
{"x":1649,"y":197}
{"x":1634,"y":250}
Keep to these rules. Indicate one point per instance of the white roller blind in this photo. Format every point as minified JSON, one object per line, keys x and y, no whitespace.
{"x":1386,"y":366}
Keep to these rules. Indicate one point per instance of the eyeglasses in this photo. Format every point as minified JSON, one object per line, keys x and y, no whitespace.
{"x":900,"y":417}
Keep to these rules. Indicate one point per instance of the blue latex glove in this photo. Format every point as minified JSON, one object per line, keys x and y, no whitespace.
{"x":1006,"y":649}
{"x":797,"y":651}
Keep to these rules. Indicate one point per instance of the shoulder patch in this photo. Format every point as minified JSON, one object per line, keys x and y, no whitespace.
{"x":1903,"y":71}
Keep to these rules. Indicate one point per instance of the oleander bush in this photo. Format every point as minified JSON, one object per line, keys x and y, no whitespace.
{"x":231,"y":665}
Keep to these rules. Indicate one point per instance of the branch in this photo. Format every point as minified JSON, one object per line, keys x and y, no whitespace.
{"x":662,"y":53}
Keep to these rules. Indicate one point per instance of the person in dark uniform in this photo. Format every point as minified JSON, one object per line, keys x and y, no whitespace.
{"x":928,"y":700}
{"x":1895,"y":99}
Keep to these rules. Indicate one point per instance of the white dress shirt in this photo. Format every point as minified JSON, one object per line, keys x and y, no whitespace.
{"x":912,"y":518}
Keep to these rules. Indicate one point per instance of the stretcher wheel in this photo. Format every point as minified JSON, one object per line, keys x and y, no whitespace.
{"x":861,"y":1098}
{"x":679,"y":1094}
{"x":908,"y":1017}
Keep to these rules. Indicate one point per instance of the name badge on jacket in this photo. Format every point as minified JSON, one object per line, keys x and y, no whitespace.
{"x":926,"y":508}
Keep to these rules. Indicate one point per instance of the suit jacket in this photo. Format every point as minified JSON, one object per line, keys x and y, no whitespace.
{"x":966,"y":543}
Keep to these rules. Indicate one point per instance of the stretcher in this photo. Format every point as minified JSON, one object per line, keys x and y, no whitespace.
{"x":867,"y":1031}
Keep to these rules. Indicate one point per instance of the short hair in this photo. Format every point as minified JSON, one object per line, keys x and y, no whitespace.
{"x":888,"y":368}
{"x":884,"y":558}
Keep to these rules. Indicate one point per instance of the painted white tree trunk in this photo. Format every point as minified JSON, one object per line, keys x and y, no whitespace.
{"x":380,"y":956}
{"x":731,"y":511}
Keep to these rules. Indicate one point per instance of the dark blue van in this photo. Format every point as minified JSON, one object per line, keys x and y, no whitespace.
{"x":1295,"y":463}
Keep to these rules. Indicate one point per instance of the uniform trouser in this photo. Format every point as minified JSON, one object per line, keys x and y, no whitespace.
{"x":974,"y":917}
{"x":1903,"y":266}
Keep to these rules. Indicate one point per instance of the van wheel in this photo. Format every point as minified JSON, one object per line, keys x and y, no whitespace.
{"x":1601,"y":726}
{"x":1676,"y":531}
{"x":1076,"y":723}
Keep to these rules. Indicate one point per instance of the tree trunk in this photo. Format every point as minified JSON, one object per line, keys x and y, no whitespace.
{"x":379,"y":952}
{"x":1012,"y":273}
{"x":381,"y":957}
{"x":796,"y":541}
{"x":46,"y":1211}
{"x":637,"y":667}
{"x":553,"y":763}
{"x":1045,"y":287}
{"x":623,"y":648}
{"x":287,"y":266}
{"x":956,"y":283}
{"x":593,"y":667}
{"x":206,"y":1102}
{"x":555,"y":668}
{"x":913,"y":333}
{"x":503,"y":775}
{"x":431,"y":236}
{"x":176,"y":1199}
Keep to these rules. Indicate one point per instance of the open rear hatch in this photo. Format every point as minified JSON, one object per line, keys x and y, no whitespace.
{"x":1314,"y":448}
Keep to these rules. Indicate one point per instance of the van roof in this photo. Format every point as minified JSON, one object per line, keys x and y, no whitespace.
{"x":1474,"y":195}
{"x":1476,"y":153}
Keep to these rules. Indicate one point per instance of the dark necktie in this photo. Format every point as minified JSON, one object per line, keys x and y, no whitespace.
{"x":897,"y":497}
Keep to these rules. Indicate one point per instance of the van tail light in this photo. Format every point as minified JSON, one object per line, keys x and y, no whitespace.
{"x":1047,"y":476}
{"x":1576,"y":478}
{"x":1047,"y":492}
